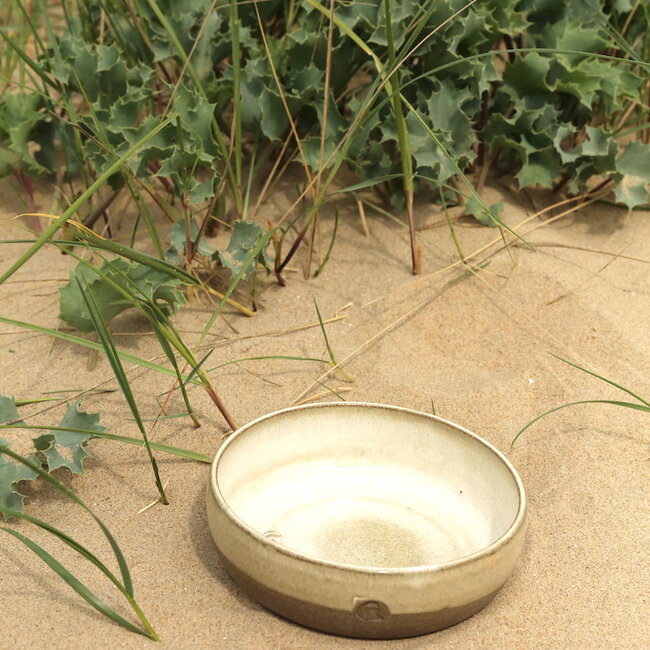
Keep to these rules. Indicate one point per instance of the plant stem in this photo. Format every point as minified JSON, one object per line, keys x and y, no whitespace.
{"x":393,"y":88}
{"x":151,"y":633}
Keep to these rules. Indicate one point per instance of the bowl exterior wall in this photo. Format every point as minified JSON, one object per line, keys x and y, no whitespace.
{"x":339,"y":600}
{"x":352,"y":600}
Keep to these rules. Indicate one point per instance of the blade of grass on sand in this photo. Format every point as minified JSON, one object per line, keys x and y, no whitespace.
{"x":281,"y":357}
{"x":117,"y":551}
{"x":71,"y":580}
{"x":75,"y":205}
{"x":66,"y":539}
{"x":330,"y":352}
{"x":198,"y":367}
{"x":76,"y":584}
{"x":125,"y":587}
{"x":167,"y":336}
{"x":644,"y":406}
{"x":167,"y":349}
{"x":120,"y":375}
{"x":452,"y":230}
{"x":78,"y":340}
{"x":159,"y":323}
{"x":252,"y":259}
{"x":607,"y":381}
{"x":629,"y":405}
{"x":168,"y":449}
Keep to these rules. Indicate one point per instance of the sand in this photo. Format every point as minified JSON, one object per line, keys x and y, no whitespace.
{"x":478,"y":348}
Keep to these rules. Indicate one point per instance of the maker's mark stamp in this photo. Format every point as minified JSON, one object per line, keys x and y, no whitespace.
{"x":370,"y":611}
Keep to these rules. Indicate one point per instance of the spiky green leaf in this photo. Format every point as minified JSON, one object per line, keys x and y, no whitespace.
{"x":244,"y":239}
{"x":63,"y":448}
{"x":146,"y":283}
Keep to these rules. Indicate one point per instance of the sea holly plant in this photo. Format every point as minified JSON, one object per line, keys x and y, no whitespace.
{"x":480,"y":214}
{"x":63,"y":447}
{"x":414,"y":96}
{"x":178,"y":242}
{"x":236,"y":256}
{"x":151,"y":285}
{"x":633,"y":174}
{"x":243,"y":240}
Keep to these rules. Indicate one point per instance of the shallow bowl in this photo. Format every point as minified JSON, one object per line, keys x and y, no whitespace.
{"x":365,"y":520}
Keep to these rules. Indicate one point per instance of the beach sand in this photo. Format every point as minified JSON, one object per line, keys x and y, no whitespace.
{"x":478,"y":347}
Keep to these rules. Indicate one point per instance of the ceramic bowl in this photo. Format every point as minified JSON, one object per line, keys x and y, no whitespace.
{"x":365,"y":520}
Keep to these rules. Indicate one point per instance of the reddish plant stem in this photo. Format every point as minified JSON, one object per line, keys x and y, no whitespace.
{"x":221,"y":406}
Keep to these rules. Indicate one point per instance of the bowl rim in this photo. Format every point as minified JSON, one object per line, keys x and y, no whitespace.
{"x":516,"y":525}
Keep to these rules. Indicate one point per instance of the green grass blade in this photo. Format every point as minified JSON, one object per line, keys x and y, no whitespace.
{"x":152,"y":262}
{"x":71,"y":338}
{"x":143,"y":210}
{"x":167,"y":349}
{"x":331,"y":390}
{"x":326,"y":257}
{"x":35,"y":400}
{"x":168,"y":449}
{"x":198,"y":367}
{"x":629,"y":405}
{"x":615,"y":35}
{"x":28,"y":60}
{"x":119,"y":556}
{"x":371,"y":182}
{"x":607,"y":381}
{"x":75,"y":205}
{"x":452,"y":230}
{"x":330,"y":352}
{"x":32,"y":25}
{"x":120,"y":375}
{"x":75,"y":584}
{"x":349,"y":33}
{"x":404,"y":143}
{"x":236,"y":85}
{"x":420,"y":22}
{"x":67,"y":540}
